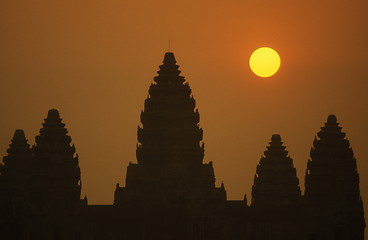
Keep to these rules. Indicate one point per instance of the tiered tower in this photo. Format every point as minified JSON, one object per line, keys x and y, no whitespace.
{"x":16,"y":163}
{"x":275,"y":182}
{"x":55,"y":174}
{"x":170,"y":166}
{"x":13,"y":186}
{"x":276,"y":195}
{"x":332,"y":192}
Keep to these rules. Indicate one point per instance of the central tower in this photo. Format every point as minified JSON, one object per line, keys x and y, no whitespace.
{"x":170,"y":151}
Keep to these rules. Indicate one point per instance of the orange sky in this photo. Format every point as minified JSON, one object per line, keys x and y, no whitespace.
{"x":94,"y":61}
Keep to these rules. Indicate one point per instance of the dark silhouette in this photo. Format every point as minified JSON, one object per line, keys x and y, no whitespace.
{"x":332,"y":192}
{"x":39,"y":187}
{"x":170,"y":193}
{"x":275,"y":182}
{"x":170,"y":169}
{"x":276,"y":196}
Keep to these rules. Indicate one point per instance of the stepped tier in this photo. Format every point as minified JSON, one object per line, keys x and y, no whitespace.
{"x":16,"y":163}
{"x":169,"y":151}
{"x":275,"y":181}
{"x":331,"y":174}
{"x":55,"y":170}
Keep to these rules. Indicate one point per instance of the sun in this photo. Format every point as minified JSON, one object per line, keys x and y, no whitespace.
{"x":264,"y":62}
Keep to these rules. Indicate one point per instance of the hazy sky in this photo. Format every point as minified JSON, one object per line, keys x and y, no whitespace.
{"x":94,"y":61}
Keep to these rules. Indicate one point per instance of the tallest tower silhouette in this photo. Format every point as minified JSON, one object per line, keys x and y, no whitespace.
{"x":170,"y":168}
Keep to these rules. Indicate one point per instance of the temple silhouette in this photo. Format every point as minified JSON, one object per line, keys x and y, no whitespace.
{"x":170,"y":193}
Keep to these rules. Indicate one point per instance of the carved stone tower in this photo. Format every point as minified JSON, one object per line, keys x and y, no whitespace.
{"x":332,"y":192}
{"x":170,"y":166}
{"x":275,"y":182}
{"x":16,"y":163}
{"x":276,"y":195}
{"x":55,"y":174}
{"x":13,"y":186}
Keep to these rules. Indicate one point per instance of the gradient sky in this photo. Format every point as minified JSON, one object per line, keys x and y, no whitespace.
{"x":94,"y":61}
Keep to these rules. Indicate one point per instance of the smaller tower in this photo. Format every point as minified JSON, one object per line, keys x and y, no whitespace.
{"x":13,"y":186}
{"x":275,"y":181}
{"x":332,"y":194}
{"x":55,"y":174}
{"x":16,"y":163}
{"x":275,"y":207}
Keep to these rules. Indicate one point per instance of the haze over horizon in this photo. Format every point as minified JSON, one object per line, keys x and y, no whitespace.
{"x":94,"y":62}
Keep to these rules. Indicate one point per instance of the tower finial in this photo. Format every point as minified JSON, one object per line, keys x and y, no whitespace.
{"x":53,"y":114}
{"x":331,"y":119}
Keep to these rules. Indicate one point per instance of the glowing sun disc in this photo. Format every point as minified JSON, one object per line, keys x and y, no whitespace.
{"x":264,"y":62}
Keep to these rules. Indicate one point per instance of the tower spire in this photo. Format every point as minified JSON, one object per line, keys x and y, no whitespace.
{"x":275,"y":182}
{"x":16,"y":163}
{"x":332,"y":183}
{"x":56,"y":163}
{"x":169,"y":150}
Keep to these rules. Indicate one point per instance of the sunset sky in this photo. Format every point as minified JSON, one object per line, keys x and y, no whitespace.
{"x":94,"y":61}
